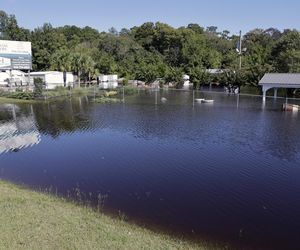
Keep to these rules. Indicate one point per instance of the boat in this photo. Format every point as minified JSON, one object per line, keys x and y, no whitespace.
{"x":199,"y":100}
{"x":207,"y":101}
{"x":290,"y":107}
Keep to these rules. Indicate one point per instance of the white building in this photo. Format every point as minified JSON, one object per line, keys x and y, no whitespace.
{"x":108,"y":81}
{"x":53,"y":79}
{"x":14,"y":77}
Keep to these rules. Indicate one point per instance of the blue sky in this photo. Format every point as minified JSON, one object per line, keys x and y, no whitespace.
{"x":232,"y":15}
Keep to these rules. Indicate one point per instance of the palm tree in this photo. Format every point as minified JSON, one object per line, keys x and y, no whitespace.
{"x":88,"y":66}
{"x":76,"y":65}
{"x":61,"y":61}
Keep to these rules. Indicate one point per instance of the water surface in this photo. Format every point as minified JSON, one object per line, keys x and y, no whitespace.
{"x":226,"y":172}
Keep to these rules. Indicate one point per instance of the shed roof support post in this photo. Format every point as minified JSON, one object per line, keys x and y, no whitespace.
{"x":275,"y":92}
{"x":264,"y":90}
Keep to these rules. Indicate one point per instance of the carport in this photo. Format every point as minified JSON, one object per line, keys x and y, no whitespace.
{"x":279,"y":80}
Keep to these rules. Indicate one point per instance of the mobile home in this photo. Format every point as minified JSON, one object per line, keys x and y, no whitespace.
{"x":53,"y":79}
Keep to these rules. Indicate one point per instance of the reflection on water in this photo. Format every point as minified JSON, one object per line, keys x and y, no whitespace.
{"x":227,"y":171}
{"x":17,"y":131}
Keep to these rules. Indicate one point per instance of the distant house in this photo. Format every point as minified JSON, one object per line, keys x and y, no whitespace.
{"x":279,"y":80}
{"x":108,"y":81}
{"x":53,"y":79}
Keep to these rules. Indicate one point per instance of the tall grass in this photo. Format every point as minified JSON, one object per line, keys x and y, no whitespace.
{"x":32,"y":220}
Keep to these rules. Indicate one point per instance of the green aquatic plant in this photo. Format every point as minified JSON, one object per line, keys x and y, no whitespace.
{"x":107,"y":100}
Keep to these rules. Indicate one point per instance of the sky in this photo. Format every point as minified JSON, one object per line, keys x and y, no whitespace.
{"x":232,"y":15}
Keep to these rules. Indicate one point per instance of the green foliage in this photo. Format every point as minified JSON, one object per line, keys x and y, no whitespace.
{"x":173,"y":74}
{"x":128,"y":90}
{"x":22,"y":95}
{"x":38,"y":87}
{"x":286,"y":52}
{"x":9,"y":29}
{"x":199,"y":76}
{"x":3,"y":93}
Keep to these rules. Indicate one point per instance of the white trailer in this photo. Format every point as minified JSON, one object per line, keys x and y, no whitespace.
{"x":108,"y":81}
{"x":53,"y":79}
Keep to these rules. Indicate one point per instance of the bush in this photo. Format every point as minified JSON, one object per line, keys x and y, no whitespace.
{"x":38,"y":87}
{"x":3,"y":93}
{"x":22,"y":95}
{"x":128,"y":90}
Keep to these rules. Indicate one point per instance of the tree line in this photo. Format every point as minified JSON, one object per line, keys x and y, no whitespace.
{"x":158,"y":51}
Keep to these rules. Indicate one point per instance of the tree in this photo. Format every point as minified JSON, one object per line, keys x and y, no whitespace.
{"x":76,"y":64}
{"x":88,"y":67}
{"x":196,"y":28}
{"x":173,"y":74}
{"x":286,"y":52}
{"x":61,"y":60}
{"x":257,"y":57}
{"x":46,"y":40}
{"x":10,"y":30}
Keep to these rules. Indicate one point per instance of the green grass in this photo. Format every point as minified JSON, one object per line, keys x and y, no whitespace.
{"x":33,"y":220}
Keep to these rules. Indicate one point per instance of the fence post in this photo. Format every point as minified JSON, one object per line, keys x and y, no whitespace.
{"x":155,"y":95}
{"x":193,"y":97}
{"x":123,"y":95}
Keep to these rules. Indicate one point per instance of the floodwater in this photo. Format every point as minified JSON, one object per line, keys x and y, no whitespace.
{"x":227,"y":172}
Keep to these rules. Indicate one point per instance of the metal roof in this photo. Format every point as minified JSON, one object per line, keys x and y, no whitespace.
{"x":281,"y":78}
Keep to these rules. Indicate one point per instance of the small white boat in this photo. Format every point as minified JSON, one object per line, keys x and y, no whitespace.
{"x":207,"y":101}
{"x":199,"y":100}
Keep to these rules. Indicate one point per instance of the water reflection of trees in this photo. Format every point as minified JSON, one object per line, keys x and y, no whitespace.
{"x":273,"y":132}
{"x":64,"y":116}
{"x":279,"y":134}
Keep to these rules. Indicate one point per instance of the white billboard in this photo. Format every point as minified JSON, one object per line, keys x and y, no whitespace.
{"x":15,"y":55}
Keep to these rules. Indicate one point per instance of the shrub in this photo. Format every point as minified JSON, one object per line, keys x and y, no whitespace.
{"x":22,"y":95}
{"x":128,"y":90}
{"x":38,"y":87}
{"x":3,"y":93}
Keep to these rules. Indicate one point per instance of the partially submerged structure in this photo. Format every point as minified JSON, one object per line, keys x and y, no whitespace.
{"x":279,"y":80}
{"x":53,"y":79}
{"x":108,"y":81}
{"x":186,"y":80}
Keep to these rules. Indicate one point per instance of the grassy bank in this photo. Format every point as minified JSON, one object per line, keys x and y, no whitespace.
{"x":32,"y":220}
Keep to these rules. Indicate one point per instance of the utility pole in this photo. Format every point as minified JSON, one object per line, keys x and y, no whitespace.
{"x":240,"y":50}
